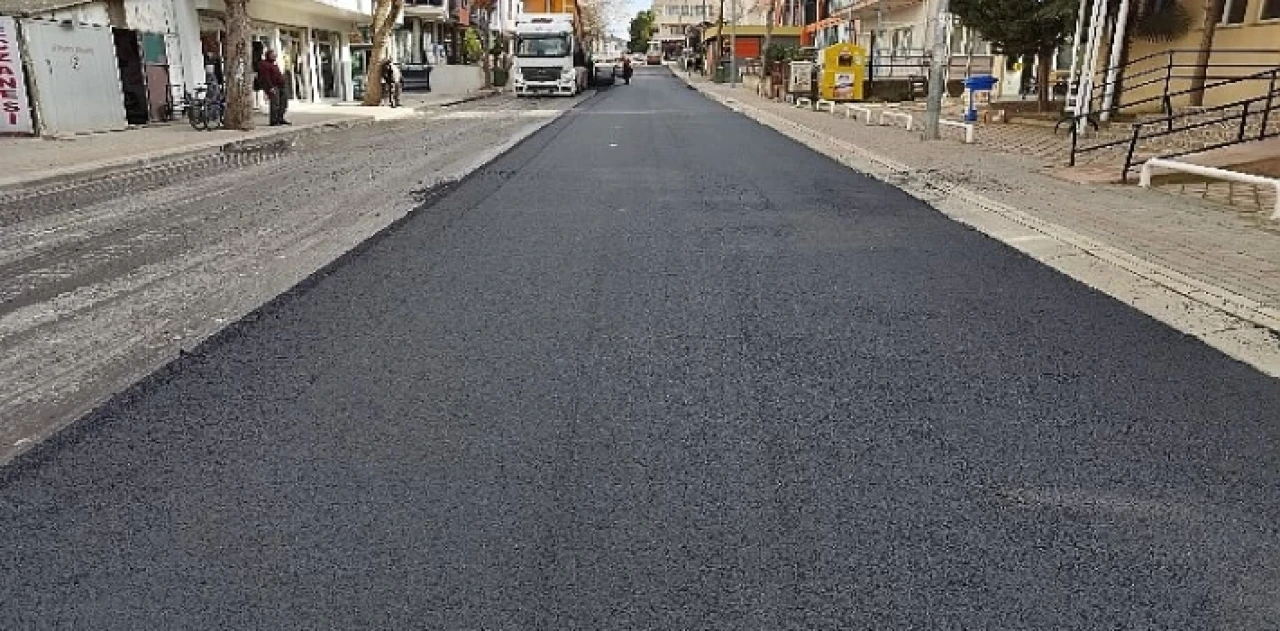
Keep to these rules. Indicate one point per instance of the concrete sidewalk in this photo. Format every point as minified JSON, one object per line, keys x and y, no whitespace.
{"x":1224,"y":259}
{"x":34,"y":161}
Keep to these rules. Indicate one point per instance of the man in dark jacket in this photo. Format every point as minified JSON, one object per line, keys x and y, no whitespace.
{"x":273,"y":84}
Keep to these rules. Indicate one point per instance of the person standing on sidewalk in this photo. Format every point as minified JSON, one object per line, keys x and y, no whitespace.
{"x":392,"y":82}
{"x":273,"y":85}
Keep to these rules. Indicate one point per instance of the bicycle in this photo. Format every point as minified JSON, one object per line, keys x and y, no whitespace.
{"x":208,"y":107}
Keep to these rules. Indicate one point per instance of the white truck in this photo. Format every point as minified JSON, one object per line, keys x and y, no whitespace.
{"x":547,"y":46}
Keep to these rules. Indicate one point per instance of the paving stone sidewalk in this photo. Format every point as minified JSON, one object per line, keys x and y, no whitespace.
{"x":1233,"y":249}
{"x":24,"y":160}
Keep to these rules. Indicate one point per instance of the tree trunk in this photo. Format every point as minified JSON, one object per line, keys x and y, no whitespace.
{"x":768,"y":37}
{"x":1212,"y":15}
{"x":1043,"y":83}
{"x":384,"y":22}
{"x":236,"y":67}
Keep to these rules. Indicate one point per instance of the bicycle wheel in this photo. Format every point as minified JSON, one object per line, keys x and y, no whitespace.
{"x":195,"y":114}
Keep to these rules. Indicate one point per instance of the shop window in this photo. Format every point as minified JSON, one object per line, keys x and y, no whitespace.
{"x":1270,"y":10}
{"x":1233,"y":11}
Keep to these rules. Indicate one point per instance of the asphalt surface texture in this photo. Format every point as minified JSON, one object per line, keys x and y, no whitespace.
{"x":658,"y":367}
{"x":104,"y":280}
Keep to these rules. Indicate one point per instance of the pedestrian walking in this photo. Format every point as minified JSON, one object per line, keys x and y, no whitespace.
{"x":392,"y":82}
{"x":272,"y":83}
{"x":626,"y":70}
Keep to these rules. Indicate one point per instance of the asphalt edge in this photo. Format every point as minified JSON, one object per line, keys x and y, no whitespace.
{"x":1233,"y":324}
{"x":31,"y":451}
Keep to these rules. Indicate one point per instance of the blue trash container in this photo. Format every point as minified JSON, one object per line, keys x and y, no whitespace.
{"x":977,"y":83}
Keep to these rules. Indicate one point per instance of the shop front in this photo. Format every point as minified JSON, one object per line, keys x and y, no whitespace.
{"x":313,"y":47}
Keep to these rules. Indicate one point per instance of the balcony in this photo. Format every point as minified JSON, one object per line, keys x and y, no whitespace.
{"x":355,"y":10}
{"x":437,"y":10}
{"x":861,"y":6}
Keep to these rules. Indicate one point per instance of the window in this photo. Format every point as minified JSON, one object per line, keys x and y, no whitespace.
{"x":1270,"y":10}
{"x":902,"y":41}
{"x":551,"y":46}
{"x":1233,"y":11}
{"x":962,"y":37}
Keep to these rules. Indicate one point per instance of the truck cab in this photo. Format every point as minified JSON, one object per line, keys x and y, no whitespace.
{"x":544,"y":55}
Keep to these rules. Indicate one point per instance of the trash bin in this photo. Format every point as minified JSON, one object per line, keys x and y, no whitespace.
{"x":977,"y":83}
{"x":722,"y":72}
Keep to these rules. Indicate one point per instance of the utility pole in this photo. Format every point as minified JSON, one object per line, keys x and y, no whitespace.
{"x":875,"y":40}
{"x":937,"y":71}
{"x":733,"y":44}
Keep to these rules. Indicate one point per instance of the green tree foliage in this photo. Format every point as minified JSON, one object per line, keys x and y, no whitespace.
{"x":641,"y":32}
{"x":472,"y":49}
{"x":1022,"y":28}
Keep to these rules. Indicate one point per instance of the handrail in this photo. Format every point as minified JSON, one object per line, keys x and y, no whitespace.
{"x":1148,"y":168}
{"x":1166,"y":73}
{"x":1166,"y":101}
{"x":1270,"y":101}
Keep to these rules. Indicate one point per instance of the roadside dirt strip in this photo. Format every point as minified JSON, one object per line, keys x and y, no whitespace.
{"x":102,"y":281}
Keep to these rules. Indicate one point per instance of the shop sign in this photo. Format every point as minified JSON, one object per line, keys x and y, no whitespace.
{"x":15,"y":104}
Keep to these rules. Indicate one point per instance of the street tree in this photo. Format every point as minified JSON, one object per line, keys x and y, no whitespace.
{"x":483,"y":10}
{"x":239,"y":91}
{"x":1209,"y":26}
{"x":1022,"y":29}
{"x":385,"y":14}
{"x":641,"y":31}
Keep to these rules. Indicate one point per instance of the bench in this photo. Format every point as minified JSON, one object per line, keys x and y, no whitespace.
{"x":830,"y":105}
{"x":803,"y":101}
{"x":1144,"y":179}
{"x":850,"y":110}
{"x":967,"y":127}
{"x":900,"y":116}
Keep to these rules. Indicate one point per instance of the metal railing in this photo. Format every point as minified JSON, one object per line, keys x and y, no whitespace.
{"x":1169,"y":68}
{"x":1262,"y":107}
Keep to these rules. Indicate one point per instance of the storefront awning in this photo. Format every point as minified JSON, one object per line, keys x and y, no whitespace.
{"x":754,"y":30}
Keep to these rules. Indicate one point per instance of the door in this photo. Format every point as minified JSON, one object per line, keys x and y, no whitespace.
{"x":327,"y":88}
{"x":132,"y":75}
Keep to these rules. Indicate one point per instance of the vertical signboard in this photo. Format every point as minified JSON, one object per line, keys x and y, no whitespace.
{"x":15,"y":103}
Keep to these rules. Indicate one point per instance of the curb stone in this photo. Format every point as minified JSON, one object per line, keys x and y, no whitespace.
{"x":1241,"y":327}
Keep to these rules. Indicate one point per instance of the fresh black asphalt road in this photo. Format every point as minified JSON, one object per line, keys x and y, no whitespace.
{"x":661,"y":368}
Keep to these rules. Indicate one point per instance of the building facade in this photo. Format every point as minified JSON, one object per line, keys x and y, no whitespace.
{"x":313,"y":39}
{"x":675,"y":21}
{"x":1246,"y":42}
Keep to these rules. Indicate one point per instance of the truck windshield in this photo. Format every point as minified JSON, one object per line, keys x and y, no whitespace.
{"x":549,"y":46}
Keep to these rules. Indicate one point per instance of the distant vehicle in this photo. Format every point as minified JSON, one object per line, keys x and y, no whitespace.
{"x":606,"y":71}
{"x":654,"y":56}
{"x":546,"y":45}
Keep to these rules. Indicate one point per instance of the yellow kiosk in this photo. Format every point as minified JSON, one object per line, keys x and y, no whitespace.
{"x":844,"y":69}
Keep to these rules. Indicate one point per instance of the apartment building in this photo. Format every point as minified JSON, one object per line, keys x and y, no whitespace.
{"x":674,"y":19}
